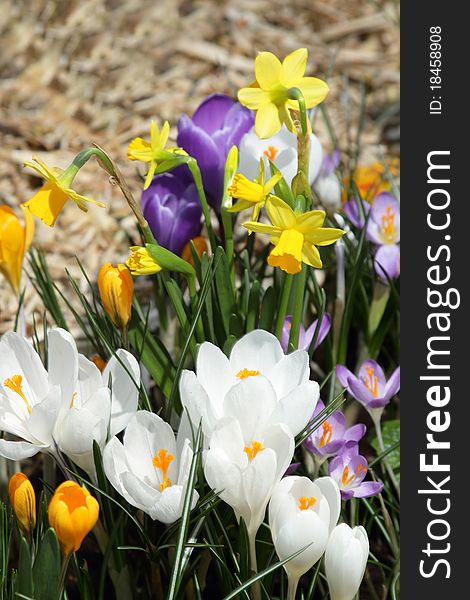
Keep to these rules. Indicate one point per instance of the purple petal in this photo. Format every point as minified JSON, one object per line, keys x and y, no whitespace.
{"x":343,"y":374}
{"x":393,"y":384}
{"x":378,"y":403}
{"x":351,"y":210}
{"x":292,"y":468}
{"x":377,"y":371}
{"x":325,"y":326}
{"x":238,"y":122}
{"x":355,"y":433}
{"x":381,"y":204}
{"x":387,"y":261}
{"x":360,"y":392}
{"x":211,"y":113}
{"x":346,"y":494}
{"x":367,"y":489}
{"x":332,"y":447}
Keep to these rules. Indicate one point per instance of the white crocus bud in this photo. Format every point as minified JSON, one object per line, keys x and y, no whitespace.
{"x":301,"y":515}
{"x":345,"y":561}
{"x":328,"y":189}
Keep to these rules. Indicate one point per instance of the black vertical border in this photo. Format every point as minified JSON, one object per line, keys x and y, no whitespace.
{"x":422,"y":133}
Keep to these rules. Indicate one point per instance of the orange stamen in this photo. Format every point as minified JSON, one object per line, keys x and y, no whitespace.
{"x":388,"y":223}
{"x":15,"y":383}
{"x":253,"y":451}
{"x":162,"y":461}
{"x":346,"y":478}
{"x":371,"y":383}
{"x":271,"y":152}
{"x":306,"y":503}
{"x":326,"y":435}
{"x":244,"y":373}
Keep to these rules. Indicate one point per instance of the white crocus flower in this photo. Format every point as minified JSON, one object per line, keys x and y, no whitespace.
{"x":281,"y":149}
{"x":346,"y":560}
{"x":94,"y":405}
{"x":302,"y":514}
{"x":247,"y":456}
{"x":147,"y":470}
{"x":257,"y":366}
{"x":28,"y":402}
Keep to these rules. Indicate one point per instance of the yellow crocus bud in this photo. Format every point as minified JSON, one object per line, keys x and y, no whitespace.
{"x":73,"y":512}
{"x":116,"y":288}
{"x":23,"y":501}
{"x":14,"y":242}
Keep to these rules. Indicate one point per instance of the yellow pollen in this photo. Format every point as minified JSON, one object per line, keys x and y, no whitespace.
{"x":162,"y":461}
{"x":15,"y":383}
{"x":306,"y":503}
{"x":326,"y":435}
{"x":346,"y":478}
{"x":388,"y":223}
{"x":244,"y":373}
{"x":371,"y":382}
{"x":253,"y":451}
{"x":271,"y":152}
{"x":74,"y":395}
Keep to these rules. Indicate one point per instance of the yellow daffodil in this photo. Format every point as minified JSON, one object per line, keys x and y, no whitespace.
{"x":23,"y":501}
{"x":270,"y":96}
{"x":141,"y":263}
{"x":295,"y":236}
{"x":14,"y":242}
{"x":116,"y":288}
{"x":153,"y":152}
{"x":47,"y":203}
{"x":252,"y":194}
{"x":73,"y":513}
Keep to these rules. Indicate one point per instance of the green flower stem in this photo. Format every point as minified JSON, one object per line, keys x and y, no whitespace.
{"x":194,"y":302}
{"x":196,"y":173}
{"x":391,"y":474}
{"x":63,"y":575}
{"x":300,"y":281}
{"x":229,"y":246}
{"x":256,"y":588}
{"x":281,"y":313}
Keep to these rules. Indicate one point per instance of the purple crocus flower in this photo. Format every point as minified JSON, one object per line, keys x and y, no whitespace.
{"x":383,"y":229}
{"x":306,"y":335}
{"x":348,"y":469}
{"x":329,"y":164}
{"x":353,"y":213}
{"x":370,"y":387}
{"x":218,"y":124}
{"x":173,"y":211}
{"x":332,"y":435}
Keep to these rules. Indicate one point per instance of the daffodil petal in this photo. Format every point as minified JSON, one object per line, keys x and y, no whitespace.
{"x":324,"y":236}
{"x":164,"y":134}
{"x":310,"y":220}
{"x":280,"y":214}
{"x":47,"y":203}
{"x":267,"y":122}
{"x":240,"y":205}
{"x":314,"y":90}
{"x":267,"y":70}
{"x":274,"y":180}
{"x":285,"y":116}
{"x":293,"y":67}
{"x":150,"y":174}
{"x":252,"y":97}
{"x":80,"y":200}
{"x":262,"y":228}
{"x":139,"y":149}
{"x":29,"y":227}
{"x":311,"y":256}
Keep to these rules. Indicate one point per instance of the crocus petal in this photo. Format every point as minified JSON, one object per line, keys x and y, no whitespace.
{"x":122,"y":374}
{"x":387,"y":261}
{"x":295,"y":409}
{"x":343,"y":374}
{"x":355,"y":433}
{"x":63,"y":362}
{"x":360,"y":392}
{"x":224,"y":477}
{"x":196,"y":402}
{"x":330,"y":490}
{"x":258,"y":350}
{"x":214,"y":373}
{"x":211,"y":113}
{"x":17,"y":450}
{"x":115,"y":464}
{"x":290,"y":372}
{"x":367,"y":489}
{"x":393,"y":384}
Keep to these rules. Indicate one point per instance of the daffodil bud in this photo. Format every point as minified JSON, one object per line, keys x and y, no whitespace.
{"x":14,"y":242}
{"x":345,"y":561}
{"x":116,"y":288}
{"x":73,"y":512}
{"x":23,"y":501}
